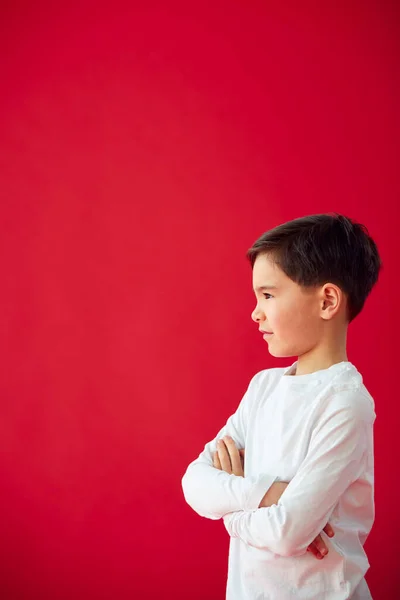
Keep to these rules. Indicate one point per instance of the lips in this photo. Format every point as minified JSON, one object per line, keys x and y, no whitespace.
{"x":263,"y":331}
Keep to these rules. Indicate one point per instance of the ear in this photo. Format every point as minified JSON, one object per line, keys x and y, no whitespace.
{"x":332,"y":300}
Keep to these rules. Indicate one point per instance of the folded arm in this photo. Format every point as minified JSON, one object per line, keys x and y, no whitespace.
{"x":336,"y":458}
{"x":213,"y":493}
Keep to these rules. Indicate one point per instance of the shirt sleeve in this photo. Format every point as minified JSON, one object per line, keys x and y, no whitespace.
{"x":336,"y":458}
{"x":213,"y":493}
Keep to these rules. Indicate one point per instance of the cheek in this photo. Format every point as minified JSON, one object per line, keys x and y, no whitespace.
{"x":283,"y":317}
{"x":293,"y":321}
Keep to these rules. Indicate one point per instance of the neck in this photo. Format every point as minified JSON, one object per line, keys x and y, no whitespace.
{"x":323,"y":356}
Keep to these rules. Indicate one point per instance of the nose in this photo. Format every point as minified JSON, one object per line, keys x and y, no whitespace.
{"x":257,"y":314}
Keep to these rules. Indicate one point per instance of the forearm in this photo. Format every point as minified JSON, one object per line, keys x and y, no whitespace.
{"x":212,"y":493}
{"x":287,"y":526}
{"x":275,"y":528}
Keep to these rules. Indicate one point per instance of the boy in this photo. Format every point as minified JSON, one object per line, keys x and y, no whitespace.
{"x":296,"y":458}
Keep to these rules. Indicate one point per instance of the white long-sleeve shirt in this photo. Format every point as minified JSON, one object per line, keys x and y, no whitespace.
{"x":314,"y":431}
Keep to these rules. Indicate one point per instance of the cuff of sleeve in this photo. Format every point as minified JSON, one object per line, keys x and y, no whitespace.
{"x":261,"y":485}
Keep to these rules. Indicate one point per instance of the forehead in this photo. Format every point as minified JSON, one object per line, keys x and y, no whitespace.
{"x":266,"y":273}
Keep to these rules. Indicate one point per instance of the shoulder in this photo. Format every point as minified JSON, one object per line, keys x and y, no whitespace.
{"x":347,"y":392}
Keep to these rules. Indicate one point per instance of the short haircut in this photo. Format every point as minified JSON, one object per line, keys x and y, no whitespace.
{"x":324,"y":248}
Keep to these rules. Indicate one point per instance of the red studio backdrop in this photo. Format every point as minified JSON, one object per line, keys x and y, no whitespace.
{"x":144,"y":147}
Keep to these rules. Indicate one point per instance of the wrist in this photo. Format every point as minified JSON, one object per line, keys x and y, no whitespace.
{"x":273,"y":494}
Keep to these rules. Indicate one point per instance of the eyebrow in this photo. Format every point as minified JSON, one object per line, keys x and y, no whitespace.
{"x":265,"y":287}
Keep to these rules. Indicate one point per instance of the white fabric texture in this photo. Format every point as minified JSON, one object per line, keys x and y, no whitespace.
{"x":314,"y":431}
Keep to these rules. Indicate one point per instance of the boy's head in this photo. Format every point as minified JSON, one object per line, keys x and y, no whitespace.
{"x":318,"y":271}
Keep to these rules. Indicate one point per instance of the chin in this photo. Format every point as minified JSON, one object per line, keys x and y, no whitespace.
{"x":283,"y":352}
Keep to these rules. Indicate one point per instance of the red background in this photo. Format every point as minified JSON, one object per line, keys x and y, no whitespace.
{"x":144,"y":148}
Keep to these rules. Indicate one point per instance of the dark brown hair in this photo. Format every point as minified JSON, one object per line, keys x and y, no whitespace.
{"x":324,"y":248}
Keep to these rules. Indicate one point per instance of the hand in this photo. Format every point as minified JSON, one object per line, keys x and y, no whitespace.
{"x":318,"y":546}
{"x":228,"y":458}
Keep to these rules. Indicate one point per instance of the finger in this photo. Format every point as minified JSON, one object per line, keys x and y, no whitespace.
{"x":329,"y":530}
{"x":216,"y":461}
{"x":241,"y":452}
{"x":236,"y":463}
{"x":314,"y":550}
{"x":224,"y":457}
{"x":320,"y":545}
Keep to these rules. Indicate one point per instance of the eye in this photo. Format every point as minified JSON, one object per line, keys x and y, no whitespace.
{"x":267,"y":296}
